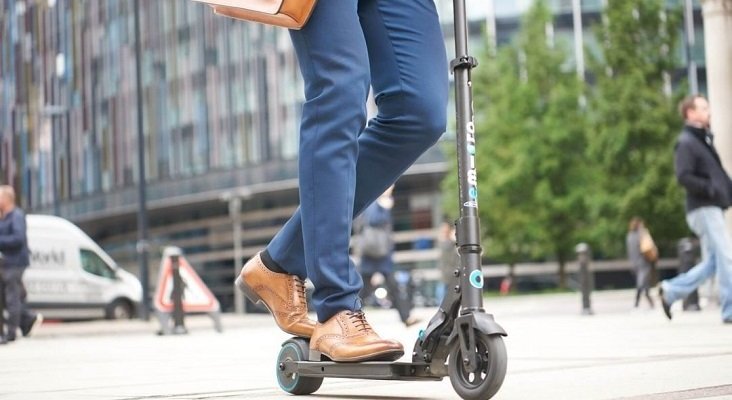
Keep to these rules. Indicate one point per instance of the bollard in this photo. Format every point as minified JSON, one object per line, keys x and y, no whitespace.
{"x":179,"y":327}
{"x":687,"y":259}
{"x":587,"y":281}
{"x":2,"y":302}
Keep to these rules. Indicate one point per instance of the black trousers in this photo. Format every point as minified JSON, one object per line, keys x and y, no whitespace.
{"x":399,"y":300}
{"x":15,"y":294}
{"x":638,"y":294}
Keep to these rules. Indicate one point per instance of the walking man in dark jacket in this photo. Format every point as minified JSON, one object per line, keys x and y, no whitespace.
{"x":708,"y":193}
{"x":14,"y":247}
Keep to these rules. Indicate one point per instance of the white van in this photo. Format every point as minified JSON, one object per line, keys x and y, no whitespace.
{"x":71,"y":277}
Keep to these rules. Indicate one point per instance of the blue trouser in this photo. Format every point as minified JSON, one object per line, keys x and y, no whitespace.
{"x":708,"y":224}
{"x":397,"y":47}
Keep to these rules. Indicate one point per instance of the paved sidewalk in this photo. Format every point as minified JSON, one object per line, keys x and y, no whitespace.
{"x":554,"y":353}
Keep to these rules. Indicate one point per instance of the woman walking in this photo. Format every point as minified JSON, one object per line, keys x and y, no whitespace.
{"x":643,"y":268}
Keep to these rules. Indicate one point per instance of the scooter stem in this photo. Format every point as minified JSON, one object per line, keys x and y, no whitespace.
{"x":468,"y":225}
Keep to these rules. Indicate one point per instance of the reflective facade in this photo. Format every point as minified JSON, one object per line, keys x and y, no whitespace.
{"x":217,"y":95}
{"x":500,"y":21}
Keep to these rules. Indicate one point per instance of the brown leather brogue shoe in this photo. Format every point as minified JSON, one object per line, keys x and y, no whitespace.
{"x":282,"y":294}
{"x":348,"y":337}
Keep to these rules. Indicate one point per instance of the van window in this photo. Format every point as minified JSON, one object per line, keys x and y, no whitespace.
{"x":94,"y":265}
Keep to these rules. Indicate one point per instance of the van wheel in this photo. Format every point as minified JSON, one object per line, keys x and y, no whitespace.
{"x":120,"y":309}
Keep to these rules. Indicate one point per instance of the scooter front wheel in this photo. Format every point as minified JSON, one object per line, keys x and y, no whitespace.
{"x":295,"y":350}
{"x":486,"y":380}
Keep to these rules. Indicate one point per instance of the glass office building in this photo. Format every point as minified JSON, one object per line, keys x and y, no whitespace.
{"x":217,"y":95}
{"x":221,"y":108}
{"x":496,"y":23}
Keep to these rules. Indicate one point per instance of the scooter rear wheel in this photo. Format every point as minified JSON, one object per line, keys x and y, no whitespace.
{"x":488,"y":378}
{"x":295,"y":349}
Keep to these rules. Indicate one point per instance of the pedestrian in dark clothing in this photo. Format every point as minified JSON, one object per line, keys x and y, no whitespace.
{"x":377,"y":251}
{"x":642,"y":267}
{"x":14,"y":247}
{"x":708,"y":193}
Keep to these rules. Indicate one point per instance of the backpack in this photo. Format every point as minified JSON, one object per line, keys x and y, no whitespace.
{"x":375,"y":241}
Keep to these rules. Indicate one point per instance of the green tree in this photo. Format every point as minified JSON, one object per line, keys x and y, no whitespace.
{"x":531,"y":148}
{"x":634,"y":123}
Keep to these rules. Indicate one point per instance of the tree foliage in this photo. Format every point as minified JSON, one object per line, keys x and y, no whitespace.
{"x":531,"y":145}
{"x":634,"y":123}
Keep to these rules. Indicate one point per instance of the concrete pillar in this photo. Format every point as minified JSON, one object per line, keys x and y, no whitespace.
{"x":718,"y":48}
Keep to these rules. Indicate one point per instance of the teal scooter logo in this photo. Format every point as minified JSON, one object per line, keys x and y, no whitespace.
{"x":476,"y":279}
{"x":472,"y":173}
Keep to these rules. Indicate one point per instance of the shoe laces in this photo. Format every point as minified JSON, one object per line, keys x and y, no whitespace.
{"x":300,"y":290}
{"x":358,"y":319}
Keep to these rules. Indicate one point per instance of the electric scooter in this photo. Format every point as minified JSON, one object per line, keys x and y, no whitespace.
{"x":461,"y":341}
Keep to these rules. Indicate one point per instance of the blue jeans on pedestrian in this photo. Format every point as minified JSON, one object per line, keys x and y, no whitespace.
{"x":397,"y":48}
{"x":707,"y":223}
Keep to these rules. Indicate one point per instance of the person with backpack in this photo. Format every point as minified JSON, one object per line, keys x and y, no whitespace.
{"x":642,"y":254}
{"x":708,"y":194}
{"x":376,"y":247}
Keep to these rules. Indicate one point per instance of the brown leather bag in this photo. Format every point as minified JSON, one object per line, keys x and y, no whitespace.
{"x":292,"y":14}
{"x":648,"y":246}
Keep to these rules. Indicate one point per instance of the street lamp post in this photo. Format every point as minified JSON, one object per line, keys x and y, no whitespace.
{"x":55,"y":110}
{"x":54,"y":170}
{"x":142,"y":242}
{"x":235,"y":200}
{"x":52,"y":112}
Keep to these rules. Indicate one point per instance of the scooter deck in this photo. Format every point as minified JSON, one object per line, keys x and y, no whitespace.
{"x":373,"y":370}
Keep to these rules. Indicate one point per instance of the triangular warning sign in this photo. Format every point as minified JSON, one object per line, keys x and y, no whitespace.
{"x":197,"y":298}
